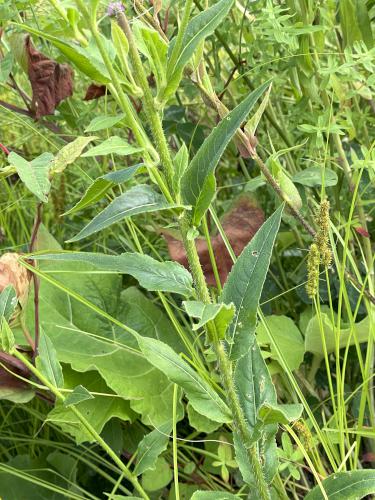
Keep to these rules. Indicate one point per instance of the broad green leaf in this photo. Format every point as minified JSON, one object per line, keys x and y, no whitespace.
{"x":137,"y":200}
{"x":34,"y":174}
{"x":81,"y":58}
{"x":78,"y":395}
{"x":113,"y":145}
{"x":153,"y":480}
{"x":69,"y":153}
{"x":244,"y":286}
{"x":152,"y":274}
{"x":286,"y":334}
{"x":200,"y":394}
{"x":150,"y":448}
{"x":6,"y":64}
{"x":313,"y":177}
{"x":198,"y":182}
{"x":200,"y":27}
{"x":200,"y":422}
{"x":221,"y":314}
{"x":47,"y":361}
{"x":97,"y":190}
{"x":97,"y":410}
{"x":313,"y":335}
{"x":8,"y":302}
{"x":348,"y":485}
{"x":213,"y":495}
{"x":102,"y":122}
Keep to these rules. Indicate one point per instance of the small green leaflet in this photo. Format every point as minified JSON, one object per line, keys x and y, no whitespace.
{"x":348,"y":485}
{"x":113,"y":145}
{"x":102,"y":185}
{"x":153,"y":275}
{"x":103,"y":121}
{"x":34,"y":174}
{"x":200,"y":394}
{"x":69,"y":153}
{"x":8,"y":302}
{"x":314,"y":176}
{"x":47,"y":363}
{"x":197,"y":30}
{"x":151,"y":446}
{"x":198,"y":183}
{"x":244,"y":285}
{"x":78,"y":395}
{"x":220,"y":314}
{"x":7,"y":338}
{"x":137,"y":200}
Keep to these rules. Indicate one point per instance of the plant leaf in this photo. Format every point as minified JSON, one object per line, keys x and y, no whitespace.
{"x":34,"y":174}
{"x":220,"y":314}
{"x":151,"y":446}
{"x":213,"y":495}
{"x":6,"y":336}
{"x":244,"y":285}
{"x":137,"y":200}
{"x":152,"y":274}
{"x":348,"y":485}
{"x":78,"y":395}
{"x":69,"y":153}
{"x":47,"y":362}
{"x":313,"y":176}
{"x":198,"y":182}
{"x":8,"y":302}
{"x":102,"y":185}
{"x":113,"y":145}
{"x":200,"y":394}
{"x":102,"y":122}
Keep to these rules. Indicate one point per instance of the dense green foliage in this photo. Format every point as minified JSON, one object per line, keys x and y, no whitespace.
{"x":187,"y":280}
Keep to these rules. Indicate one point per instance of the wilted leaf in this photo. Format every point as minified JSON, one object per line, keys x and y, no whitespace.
{"x":240,"y":224}
{"x":95,"y":91}
{"x":14,"y":274}
{"x":51,"y":82}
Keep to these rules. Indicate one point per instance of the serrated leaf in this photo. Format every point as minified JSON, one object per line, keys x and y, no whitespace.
{"x":200,"y":394}
{"x":137,"y":200}
{"x":97,"y":190}
{"x":151,"y":446}
{"x":69,"y":153}
{"x":8,"y":302}
{"x":34,"y":174}
{"x":198,"y":182}
{"x":152,"y":274}
{"x":244,"y":286}
{"x":220,"y":314}
{"x":102,"y":122}
{"x":47,"y":362}
{"x":78,"y":395}
{"x":348,"y":485}
{"x":113,"y":145}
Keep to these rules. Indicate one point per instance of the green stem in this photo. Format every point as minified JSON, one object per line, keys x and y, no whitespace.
{"x":88,"y":427}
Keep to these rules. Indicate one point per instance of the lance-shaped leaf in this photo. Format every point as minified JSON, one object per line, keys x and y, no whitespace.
{"x":103,"y":121}
{"x":200,"y":394}
{"x":245,"y":283}
{"x":348,"y":485}
{"x":220,"y":314}
{"x":198,"y":183}
{"x":34,"y":174}
{"x":69,"y":153}
{"x":102,"y":185}
{"x":47,"y":362}
{"x":151,"y":274}
{"x":150,"y":448}
{"x":113,"y":145}
{"x":8,"y":302}
{"x":137,"y":200}
{"x":197,"y":30}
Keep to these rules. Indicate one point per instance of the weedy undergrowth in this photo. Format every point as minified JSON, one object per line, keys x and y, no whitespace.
{"x":104,"y":356}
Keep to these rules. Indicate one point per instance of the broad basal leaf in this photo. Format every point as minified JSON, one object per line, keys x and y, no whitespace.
{"x":151,"y":274}
{"x":244,"y":286}
{"x":348,"y":485}
{"x":198,"y":182}
{"x":113,"y":145}
{"x":151,"y":446}
{"x":200,"y":394}
{"x":137,"y":200}
{"x":34,"y":174}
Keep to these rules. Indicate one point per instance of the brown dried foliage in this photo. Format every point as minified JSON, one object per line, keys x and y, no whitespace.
{"x":13,"y":273}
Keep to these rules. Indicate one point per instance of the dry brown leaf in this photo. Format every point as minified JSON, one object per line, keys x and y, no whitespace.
{"x":240,"y":225}
{"x":51,"y":82}
{"x":95,"y":91}
{"x":13,"y":273}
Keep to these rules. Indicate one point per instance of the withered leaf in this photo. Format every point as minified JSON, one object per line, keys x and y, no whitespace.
{"x":95,"y":91}
{"x":240,"y":224}
{"x":51,"y":82}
